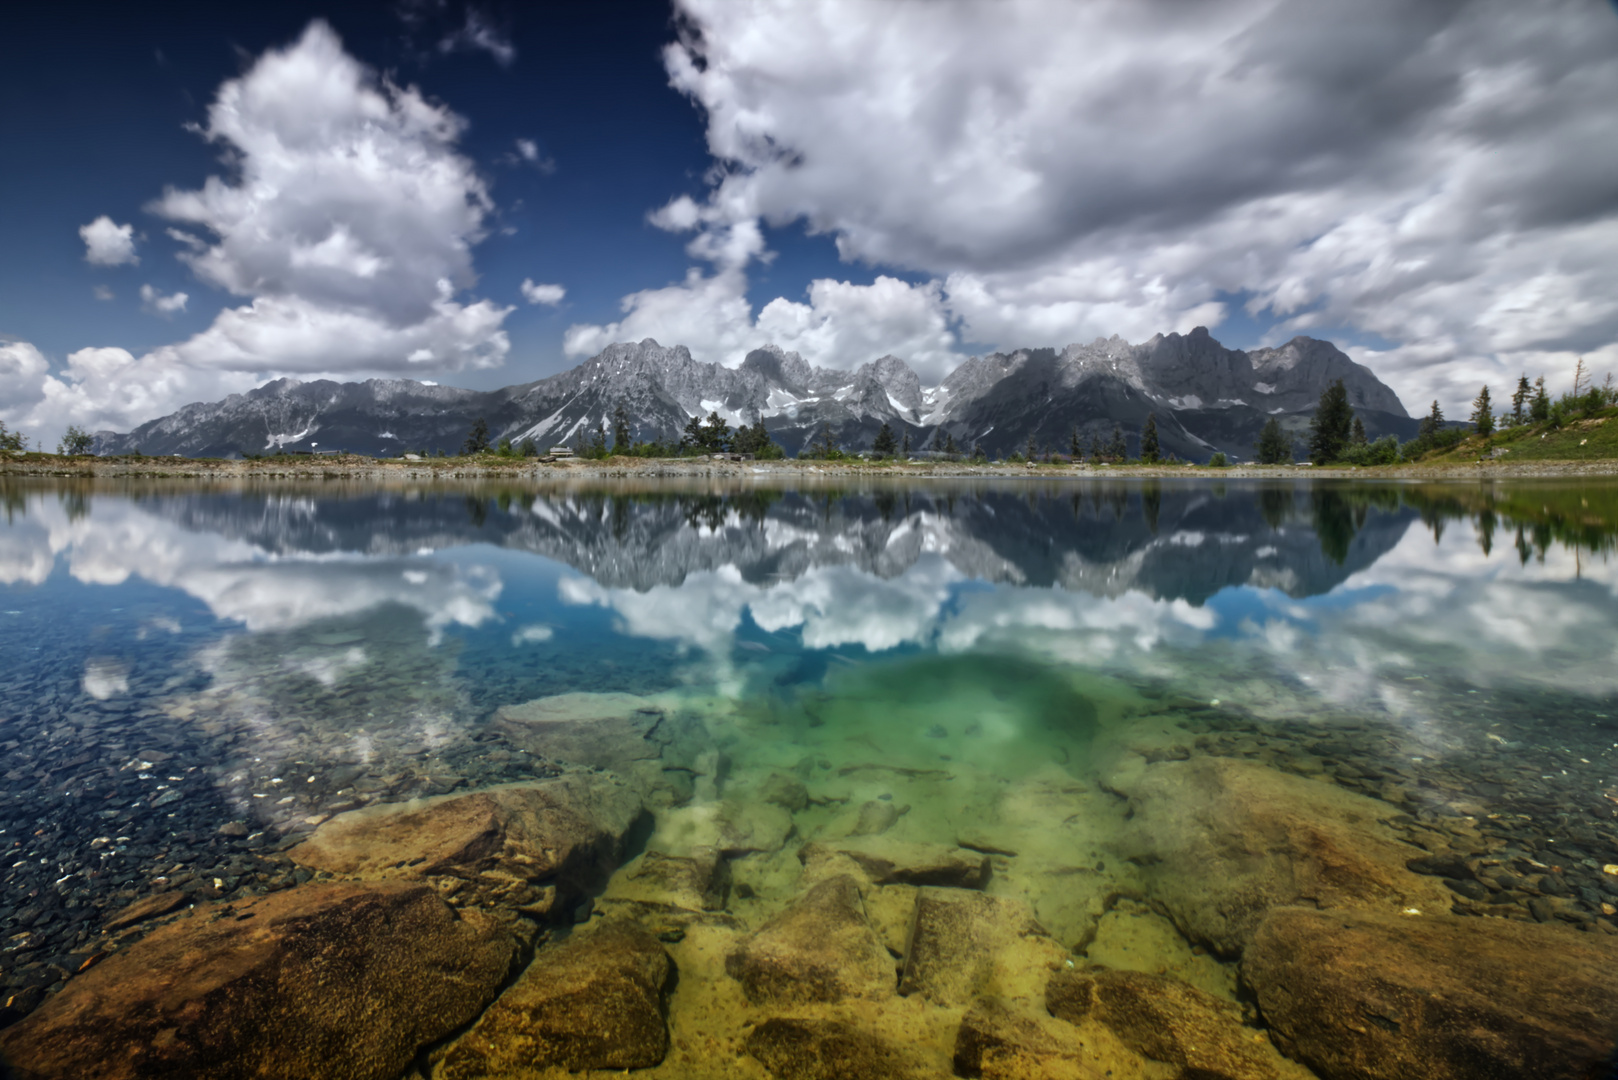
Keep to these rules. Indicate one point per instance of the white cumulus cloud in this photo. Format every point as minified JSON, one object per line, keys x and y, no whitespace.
{"x":535,"y":293}
{"x":346,"y":224}
{"x":107,"y":243}
{"x":1436,"y":175}
{"x":154,"y":300}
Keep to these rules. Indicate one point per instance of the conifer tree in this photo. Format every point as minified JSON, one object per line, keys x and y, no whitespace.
{"x":1358,"y":438}
{"x":477,"y":440}
{"x":1332,"y":426}
{"x":904,"y":446}
{"x":1148,"y":440}
{"x":884,"y":445}
{"x":1273,"y":447}
{"x":1540,"y":409}
{"x":1432,"y":423}
{"x":1073,"y":449}
{"x":620,"y":430}
{"x":949,"y":444}
{"x":1483,"y":414}
{"x":1118,"y":449}
{"x":1520,"y":400}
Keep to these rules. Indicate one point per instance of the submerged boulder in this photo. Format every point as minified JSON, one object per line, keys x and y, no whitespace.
{"x":730,"y":827}
{"x":606,"y":731}
{"x":538,"y":846}
{"x":1369,"y":995}
{"x":888,"y":861}
{"x":821,"y":948}
{"x":1164,"y":1019}
{"x":808,"y":1049}
{"x":345,"y":981}
{"x":960,"y":943}
{"x":696,"y":882}
{"x":598,"y":1001}
{"x":999,"y":1043}
{"x":1223,"y":841}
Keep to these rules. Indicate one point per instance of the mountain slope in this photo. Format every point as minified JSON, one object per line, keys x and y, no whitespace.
{"x":1205,"y":398}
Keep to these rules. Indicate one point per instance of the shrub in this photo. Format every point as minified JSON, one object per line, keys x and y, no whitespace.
{"x":1219,"y":461}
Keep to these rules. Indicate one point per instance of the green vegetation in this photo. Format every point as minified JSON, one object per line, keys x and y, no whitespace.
{"x":12,"y":442}
{"x":1219,"y":461}
{"x":1149,"y":449}
{"x":77,"y":441}
{"x":1273,"y":448}
{"x":1332,"y":427}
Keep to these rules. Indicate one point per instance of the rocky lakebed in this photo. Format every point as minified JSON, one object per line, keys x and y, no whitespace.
{"x":691,"y":886}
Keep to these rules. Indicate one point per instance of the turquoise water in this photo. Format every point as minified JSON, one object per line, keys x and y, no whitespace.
{"x":178,"y":657}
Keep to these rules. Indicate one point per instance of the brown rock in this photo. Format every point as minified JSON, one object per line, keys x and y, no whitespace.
{"x":594,"y":1002}
{"x":787,"y":792}
{"x":887,"y":861}
{"x":958,"y":938}
{"x":343,"y":981}
{"x":149,"y":907}
{"x":995,"y":1042}
{"x":1224,"y":841}
{"x":607,"y":731}
{"x":876,"y":817}
{"x":798,"y":1049}
{"x":698,"y":882}
{"x":819,"y":949}
{"x":731,"y":827}
{"x":1366,"y":995}
{"x":1163,"y":1019}
{"x":568,"y":833}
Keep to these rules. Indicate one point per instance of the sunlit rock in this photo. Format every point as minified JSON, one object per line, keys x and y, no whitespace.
{"x":344,"y":981}
{"x":595,"y":1002}
{"x":821,"y":948}
{"x":1375,"y":995}
{"x":961,"y":944}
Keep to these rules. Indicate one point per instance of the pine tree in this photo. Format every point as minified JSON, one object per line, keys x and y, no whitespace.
{"x":1073,"y":449}
{"x":1483,"y":414}
{"x":715,"y":434}
{"x":1148,"y":440}
{"x":949,"y":444}
{"x":620,"y":430}
{"x":1273,"y":448}
{"x":477,"y":440}
{"x":691,"y":437}
{"x":1540,"y":409}
{"x":1358,"y":438}
{"x":1095,"y":449}
{"x":1432,"y":423}
{"x":1033,"y":451}
{"x":1118,"y":449}
{"x":1332,"y":426}
{"x":904,"y":446}
{"x":1519,"y":401}
{"x":884,"y":444}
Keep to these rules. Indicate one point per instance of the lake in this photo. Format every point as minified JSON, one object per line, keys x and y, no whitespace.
{"x":1203,"y":756}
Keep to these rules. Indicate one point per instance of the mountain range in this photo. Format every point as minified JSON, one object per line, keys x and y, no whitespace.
{"x":1206,"y":398}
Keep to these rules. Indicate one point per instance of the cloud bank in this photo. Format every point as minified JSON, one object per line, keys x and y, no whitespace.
{"x":1435,"y":175}
{"x":345,"y":224}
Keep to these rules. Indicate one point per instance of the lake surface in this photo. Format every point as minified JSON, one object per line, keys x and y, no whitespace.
{"x":1004,"y":664}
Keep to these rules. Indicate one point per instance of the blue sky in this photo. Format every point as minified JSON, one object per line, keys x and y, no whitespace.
{"x":1428,"y":185}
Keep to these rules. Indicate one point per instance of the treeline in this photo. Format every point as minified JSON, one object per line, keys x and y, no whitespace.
{"x":1337,"y":436}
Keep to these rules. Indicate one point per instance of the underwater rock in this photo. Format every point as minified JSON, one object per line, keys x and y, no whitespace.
{"x":595,"y":1002}
{"x":803,"y":1049}
{"x":876,"y":817}
{"x":997,"y":1043}
{"x":607,"y":731}
{"x":960,"y":943}
{"x":787,"y":792}
{"x":149,"y":907}
{"x":887,"y":861}
{"x":697,"y":882}
{"x":566,"y":833}
{"x":819,"y":949}
{"x":1371,"y":995}
{"x":1223,"y":841}
{"x":346,"y":981}
{"x":1164,"y":1019}
{"x":731,"y":827}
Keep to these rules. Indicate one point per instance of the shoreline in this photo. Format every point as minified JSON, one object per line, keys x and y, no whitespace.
{"x":45,"y":465}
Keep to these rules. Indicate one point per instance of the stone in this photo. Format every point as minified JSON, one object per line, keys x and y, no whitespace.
{"x":1369,"y":995}
{"x":821,"y":948}
{"x":607,"y":731}
{"x":787,"y":792}
{"x":597,"y":1001}
{"x":343,"y":981}
{"x":149,"y":907}
{"x":995,"y":1042}
{"x":1444,"y":866}
{"x":697,"y":882}
{"x":540,"y":845}
{"x":1163,"y":1019}
{"x":960,"y":943}
{"x":730,"y":827}
{"x":875,"y":817}
{"x":234,"y":829}
{"x":807,"y":1049}
{"x":1223,"y":841}
{"x":887,"y":861}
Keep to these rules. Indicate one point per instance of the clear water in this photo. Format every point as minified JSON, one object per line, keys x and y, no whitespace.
{"x":177,"y":656}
